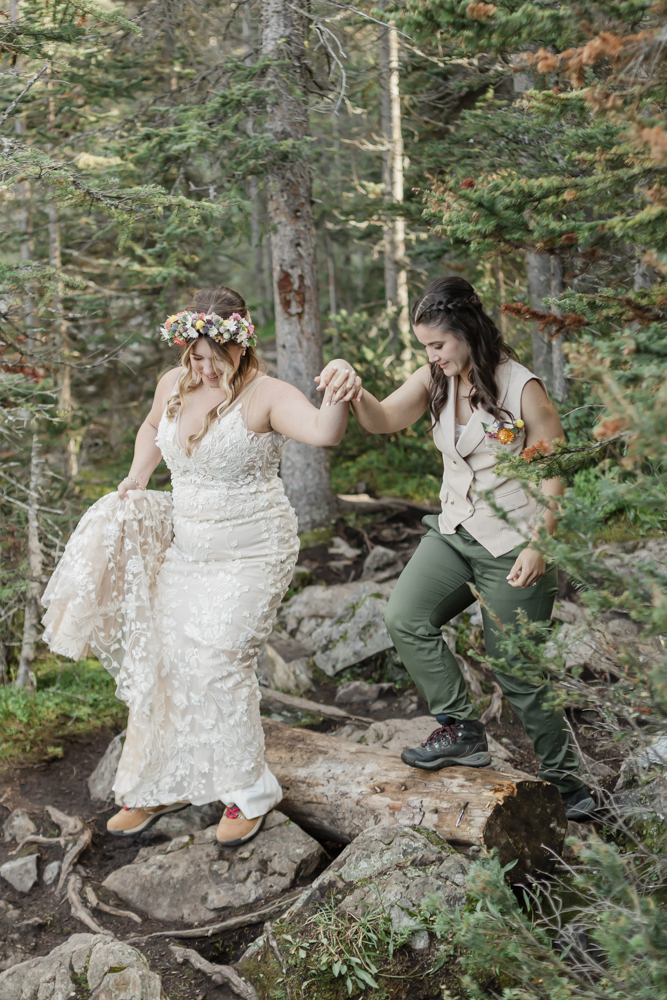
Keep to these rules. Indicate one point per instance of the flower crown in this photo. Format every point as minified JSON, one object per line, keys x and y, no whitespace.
{"x":184,"y":326}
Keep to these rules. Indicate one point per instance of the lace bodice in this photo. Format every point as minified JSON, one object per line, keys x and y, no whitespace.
{"x":232,"y":472}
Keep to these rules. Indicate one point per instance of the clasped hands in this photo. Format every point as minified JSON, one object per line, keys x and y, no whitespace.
{"x":340,"y":383}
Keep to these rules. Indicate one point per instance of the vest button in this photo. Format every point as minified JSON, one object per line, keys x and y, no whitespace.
{"x":455,"y":463}
{"x":470,"y":510}
{"x":451,"y":501}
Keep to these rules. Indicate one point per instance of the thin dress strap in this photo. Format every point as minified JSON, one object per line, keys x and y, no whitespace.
{"x":244,"y":398}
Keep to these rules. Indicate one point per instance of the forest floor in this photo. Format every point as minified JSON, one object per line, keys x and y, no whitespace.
{"x":61,"y":782}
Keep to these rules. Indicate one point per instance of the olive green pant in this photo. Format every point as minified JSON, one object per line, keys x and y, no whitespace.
{"x":433,"y":589}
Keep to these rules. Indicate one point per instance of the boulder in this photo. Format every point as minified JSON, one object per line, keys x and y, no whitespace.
{"x":638,"y":765}
{"x":387,"y":869}
{"x":112,"y":969}
{"x":198,"y":878}
{"x":17,"y":826}
{"x":21,"y":873}
{"x":357,"y":633}
{"x":190,"y":820}
{"x":326,"y":602}
{"x":11,"y":952}
{"x":360,"y":692}
{"x":100,"y":782}
{"x":295,"y":677}
{"x":381,"y":564}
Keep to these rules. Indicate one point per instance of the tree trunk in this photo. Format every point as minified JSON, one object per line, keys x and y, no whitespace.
{"x":32,"y":607}
{"x":337,"y":789}
{"x":395,"y":273}
{"x":557,"y":354}
{"x":304,"y":469}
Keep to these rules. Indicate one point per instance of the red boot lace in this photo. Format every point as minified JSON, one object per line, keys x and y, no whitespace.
{"x":232,"y":812}
{"x":447,"y":733}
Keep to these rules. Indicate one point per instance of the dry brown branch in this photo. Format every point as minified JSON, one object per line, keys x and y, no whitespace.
{"x":69,"y":825}
{"x":305,"y":705}
{"x":220,"y":974}
{"x":495,"y":709}
{"x":79,"y":910}
{"x":36,"y":838}
{"x":242,"y":920}
{"x":97,"y":904}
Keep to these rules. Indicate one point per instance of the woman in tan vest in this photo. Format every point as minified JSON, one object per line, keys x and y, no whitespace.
{"x":484,"y":404}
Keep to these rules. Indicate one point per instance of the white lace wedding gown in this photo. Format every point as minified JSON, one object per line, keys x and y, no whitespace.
{"x":177,"y":594}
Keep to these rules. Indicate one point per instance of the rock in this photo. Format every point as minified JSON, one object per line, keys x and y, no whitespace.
{"x":651,"y":758}
{"x":51,"y":872}
{"x":100,"y":782}
{"x":198,"y":881}
{"x":11,"y":952}
{"x":326,"y":602}
{"x":386,"y":868}
{"x":17,"y":826}
{"x":21,"y":873}
{"x":339,"y":547}
{"x":112,"y":969}
{"x":594,"y":768}
{"x":190,"y":820}
{"x":381,"y":564}
{"x":293,"y":678}
{"x":644,"y":802}
{"x":359,"y":632}
{"x":359,"y":692}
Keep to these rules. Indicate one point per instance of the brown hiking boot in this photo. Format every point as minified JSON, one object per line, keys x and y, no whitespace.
{"x":235,"y":829}
{"x":130,"y":821}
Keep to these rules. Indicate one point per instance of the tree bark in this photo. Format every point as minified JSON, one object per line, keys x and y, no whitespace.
{"x":304,"y":469}
{"x":34,"y":591}
{"x":557,"y":341}
{"x":338,"y":789}
{"x":395,"y":273}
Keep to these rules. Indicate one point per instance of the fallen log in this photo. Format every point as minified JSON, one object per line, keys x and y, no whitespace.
{"x":275,"y":700}
{"x":337,"y":789}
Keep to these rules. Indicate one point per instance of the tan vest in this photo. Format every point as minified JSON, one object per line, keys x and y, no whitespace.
{"x":469,"y":470}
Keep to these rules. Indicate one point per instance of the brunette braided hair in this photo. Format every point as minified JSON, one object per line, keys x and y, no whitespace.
{"x":453,"y":305}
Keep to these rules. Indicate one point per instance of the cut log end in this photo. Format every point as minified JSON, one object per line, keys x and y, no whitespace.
{"x":528,"y":826}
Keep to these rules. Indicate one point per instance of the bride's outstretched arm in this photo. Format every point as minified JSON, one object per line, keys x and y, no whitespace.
{"x":147,"y":455}
{"x":289,"y":412}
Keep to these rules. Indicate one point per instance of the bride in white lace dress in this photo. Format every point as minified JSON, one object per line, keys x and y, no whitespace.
{"x":177,"y":593}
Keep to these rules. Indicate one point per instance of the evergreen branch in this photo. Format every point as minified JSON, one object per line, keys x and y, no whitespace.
{"x":25,"y":90}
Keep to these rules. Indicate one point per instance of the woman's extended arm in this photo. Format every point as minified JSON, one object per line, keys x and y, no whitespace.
{"x":287,"y":411}
{"x":147,"y":455}
{"x":400,"y":409}
{"x":542,"y":424}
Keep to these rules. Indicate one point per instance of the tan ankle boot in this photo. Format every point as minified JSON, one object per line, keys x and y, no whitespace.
{"x":131,"y":821}
{"x":235,"y":829}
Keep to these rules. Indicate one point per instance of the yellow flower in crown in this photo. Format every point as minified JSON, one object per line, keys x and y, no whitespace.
{"x":170,"y":321}
{"x":200,"y":324}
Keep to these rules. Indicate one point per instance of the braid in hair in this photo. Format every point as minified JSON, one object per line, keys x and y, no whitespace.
{"x":453,"y":305}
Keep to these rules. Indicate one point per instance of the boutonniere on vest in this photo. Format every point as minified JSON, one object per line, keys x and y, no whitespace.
{"x":503,"y":431}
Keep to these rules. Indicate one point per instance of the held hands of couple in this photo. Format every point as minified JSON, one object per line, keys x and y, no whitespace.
{"x":527,"y":569}
{"x":339,"y":382}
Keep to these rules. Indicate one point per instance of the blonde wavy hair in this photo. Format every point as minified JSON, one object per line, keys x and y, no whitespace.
{"x":223,"y":302}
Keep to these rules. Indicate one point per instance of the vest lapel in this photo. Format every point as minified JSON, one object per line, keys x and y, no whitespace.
{"x":473,"y":432}
{"x":443,"y":432}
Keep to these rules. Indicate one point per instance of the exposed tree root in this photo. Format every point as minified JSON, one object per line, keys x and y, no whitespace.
{"x":495,"y":709}
{"x":79,"y":910}
{"x":97,"y":904}
{"x":220,"y":974}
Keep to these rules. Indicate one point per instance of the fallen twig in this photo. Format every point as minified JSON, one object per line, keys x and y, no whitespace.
{"x":220,"y":974}
{"x":97,"y":904}
{"x":495,"y":709}
{"x":292,"y":701}
{"x":243,"y":920}
{"x":79,"y":910}
{"x":273,"y":944}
